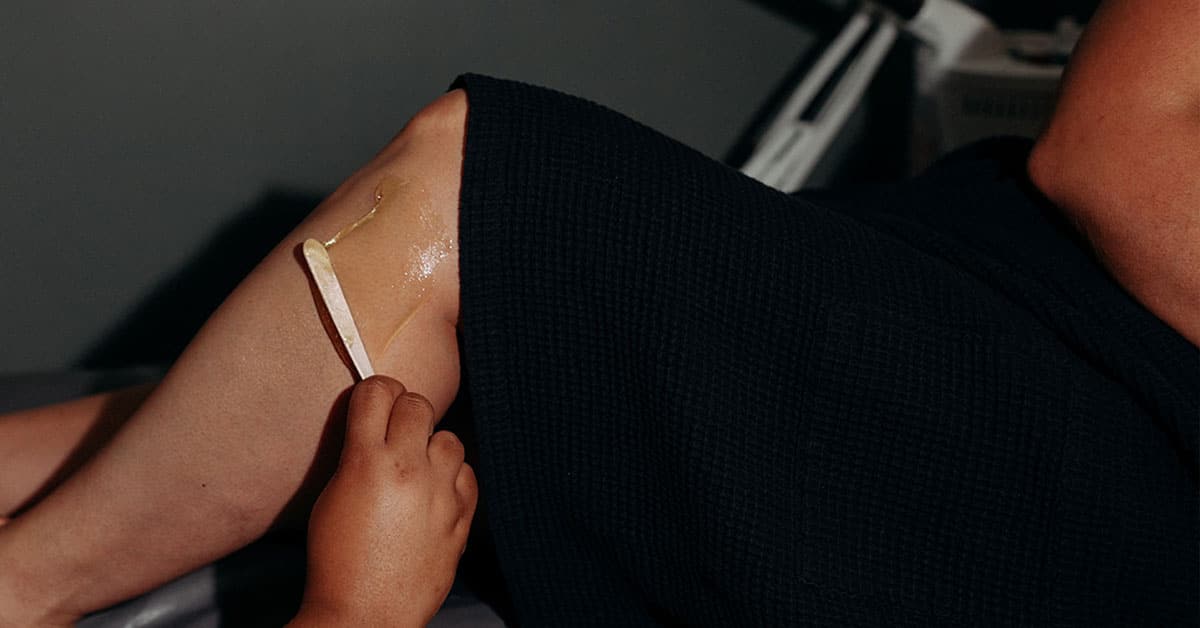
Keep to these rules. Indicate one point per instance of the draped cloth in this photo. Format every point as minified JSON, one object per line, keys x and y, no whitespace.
{"x":700,"y":401}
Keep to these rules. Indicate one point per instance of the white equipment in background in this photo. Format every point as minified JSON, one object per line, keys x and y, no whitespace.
{"x":972,"y":81}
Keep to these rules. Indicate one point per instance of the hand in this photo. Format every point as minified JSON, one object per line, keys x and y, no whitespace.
{"x":386,"y":534}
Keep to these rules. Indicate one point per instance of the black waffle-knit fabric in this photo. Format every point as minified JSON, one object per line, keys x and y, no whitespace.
{"x":702,"y":402}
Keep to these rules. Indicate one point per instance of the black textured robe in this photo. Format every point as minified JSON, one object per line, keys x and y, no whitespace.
{"x":700,"y":401}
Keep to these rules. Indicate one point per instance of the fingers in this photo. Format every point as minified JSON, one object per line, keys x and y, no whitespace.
{"x":369,"y":410}
{"x":382,"y":412}
{"x":467,"y":489}
{"x":445,"y":457}
{"x":445,"y":450}
{"x":409,"y":426}
{"x":454,"y":478}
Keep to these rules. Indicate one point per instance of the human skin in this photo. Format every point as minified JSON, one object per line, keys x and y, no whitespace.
{"x":243,"y":430}
{"x":42,"y":446}
{"x":1121,"y":155}
{"x":384,"y":537}
{"x":1119,"y":158}
{"x":387,"y":532}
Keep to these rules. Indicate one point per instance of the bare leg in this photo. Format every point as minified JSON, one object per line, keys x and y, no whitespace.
{"x":41,"y":447}
{"x":229,"y":437}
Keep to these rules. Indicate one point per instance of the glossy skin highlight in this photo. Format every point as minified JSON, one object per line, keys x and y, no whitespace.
{"x":390,"y":260}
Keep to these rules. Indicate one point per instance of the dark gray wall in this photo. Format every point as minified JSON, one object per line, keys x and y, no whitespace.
{"x":132,"y":131}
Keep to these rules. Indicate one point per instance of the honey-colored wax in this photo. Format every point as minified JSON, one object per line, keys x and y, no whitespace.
{"x":388,"y":260}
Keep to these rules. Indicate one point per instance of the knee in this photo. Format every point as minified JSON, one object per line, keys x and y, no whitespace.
{"x":447,"y":113}
{"x":430,"y":149}
{"x":442,"y":122}
{"x":433,"y":142}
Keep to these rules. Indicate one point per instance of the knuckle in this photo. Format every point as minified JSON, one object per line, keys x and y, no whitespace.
{"x":469,"y":497}
{"x":447,"y":444}
{"x":411,"y":408}
{"x":470,"y":485}
{"x":416,"y":404}
{"x":382,"y":385}
{"x":466,"y":515}
{"x":374,"y":393}
{"x":466,"y":486}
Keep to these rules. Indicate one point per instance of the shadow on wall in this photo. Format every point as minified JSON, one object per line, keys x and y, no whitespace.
{"x":162,"y":324}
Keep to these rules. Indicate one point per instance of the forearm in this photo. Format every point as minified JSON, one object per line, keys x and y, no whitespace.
{"x":1121,"y":155}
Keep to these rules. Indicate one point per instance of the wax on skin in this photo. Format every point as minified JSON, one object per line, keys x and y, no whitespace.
{"x":387,"y":261}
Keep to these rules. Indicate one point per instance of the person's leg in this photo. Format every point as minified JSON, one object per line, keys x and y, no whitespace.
{"x":40,"y":447}
{"x":229,"y":438}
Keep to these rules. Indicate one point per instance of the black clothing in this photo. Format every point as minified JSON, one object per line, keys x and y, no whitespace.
{"x":700,"y":401}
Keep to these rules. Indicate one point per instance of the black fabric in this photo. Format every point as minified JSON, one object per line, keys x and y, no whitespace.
{"x":702,"y":402}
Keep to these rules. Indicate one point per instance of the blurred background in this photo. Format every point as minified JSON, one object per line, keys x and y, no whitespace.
{"x":140,"y":135}
{"x":154,"y":151}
